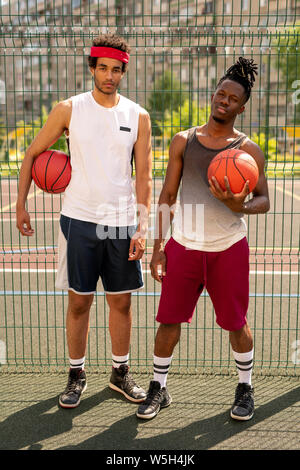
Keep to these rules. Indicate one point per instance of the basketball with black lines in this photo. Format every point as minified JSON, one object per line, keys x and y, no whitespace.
{"x":51,"y":171}
{"x":238,"y":166}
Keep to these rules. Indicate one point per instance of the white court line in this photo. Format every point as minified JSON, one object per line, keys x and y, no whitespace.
{"x":57,"y":293}
{"x":253,"y":250}
{"x":33,"y":219}
{"x":289,"y":193}
{"x":13,"y":204}
{"x":147,"y":271}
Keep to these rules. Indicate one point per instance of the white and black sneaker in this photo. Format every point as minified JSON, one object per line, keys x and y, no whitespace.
{"x":70,"y":398}
{"x":157,"y":398}
{"x":243,"y":406}
{"x":122,"y":381}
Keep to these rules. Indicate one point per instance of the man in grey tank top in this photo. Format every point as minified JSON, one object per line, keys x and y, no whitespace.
{"x":217,"y":258}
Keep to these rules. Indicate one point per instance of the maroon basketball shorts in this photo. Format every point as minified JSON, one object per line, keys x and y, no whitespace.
{"x":224,"y":274}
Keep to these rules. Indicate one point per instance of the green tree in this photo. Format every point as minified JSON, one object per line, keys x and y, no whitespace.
{"x":35,"y":127}
{"x":269,"y":147}
{"x":168,"y":94}
{"x":188,"y":115}
{"x":14,"y":144}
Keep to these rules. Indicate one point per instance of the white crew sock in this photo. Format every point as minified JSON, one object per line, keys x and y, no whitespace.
{"x":77,"y":363}
{"x":161,"y":368}
{"x":244,"y":363}
{"x":117,"y":361}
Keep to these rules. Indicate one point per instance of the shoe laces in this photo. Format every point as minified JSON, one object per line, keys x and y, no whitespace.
{"x":129,"y":381}
{"x":243,"y":396}
{"x":153,"y":394}
{"x":72,"y":382}
{"x":127,"y":377}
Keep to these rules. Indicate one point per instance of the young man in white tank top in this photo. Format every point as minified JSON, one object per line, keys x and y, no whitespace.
{"x":99,"y":236}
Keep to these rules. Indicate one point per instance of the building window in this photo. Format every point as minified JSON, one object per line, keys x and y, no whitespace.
{"x":244,"y":5}
{"x":75,"y":3}
{"x":28,"y":105}
{"x":227,"y":8}
{"x":208,"y":7}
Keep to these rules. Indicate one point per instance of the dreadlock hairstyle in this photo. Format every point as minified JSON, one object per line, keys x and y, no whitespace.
{"x":243,"y":72}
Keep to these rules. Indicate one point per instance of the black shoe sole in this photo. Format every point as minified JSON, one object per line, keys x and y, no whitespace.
{"x":133,"y":400}
{"x":66,"y":405}
{"x":152,"y":415}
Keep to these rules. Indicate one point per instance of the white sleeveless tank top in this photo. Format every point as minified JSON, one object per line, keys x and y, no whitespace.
{"x":101,"y":144}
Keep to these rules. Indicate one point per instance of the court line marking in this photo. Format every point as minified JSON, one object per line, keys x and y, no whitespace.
{"x":18,"y":250}
{"x":140,"y":293}
{"x":289,"y":193}
{"x":32,"y":250}
{"x":38,"y":191}
{"x":33,"y":219}
{"x":147,"y":271}
{"x":13,"y":204}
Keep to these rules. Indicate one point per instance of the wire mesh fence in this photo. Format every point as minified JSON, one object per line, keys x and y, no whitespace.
{"x":179,"y":50}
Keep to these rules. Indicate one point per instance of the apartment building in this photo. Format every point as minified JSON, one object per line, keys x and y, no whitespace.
{"x":45,"y":44}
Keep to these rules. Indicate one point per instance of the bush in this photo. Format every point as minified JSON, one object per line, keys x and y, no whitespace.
{"x":269,"y":148}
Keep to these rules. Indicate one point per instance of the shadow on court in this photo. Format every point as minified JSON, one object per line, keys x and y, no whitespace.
{"x":211,"y":431}
{"x":45,"y":421}
{"x":34,"y":424}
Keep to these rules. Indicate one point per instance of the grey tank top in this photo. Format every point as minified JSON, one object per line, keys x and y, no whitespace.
{"x":202,"y":222}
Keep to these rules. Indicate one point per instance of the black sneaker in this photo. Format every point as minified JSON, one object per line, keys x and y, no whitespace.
{"x":243,"y":406}
{"x":157,"y":398}
{"x":122,"y":381}
{"x":70,"y":398}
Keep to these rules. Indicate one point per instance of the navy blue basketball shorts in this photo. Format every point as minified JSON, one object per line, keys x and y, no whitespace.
{"x":88,"y":251}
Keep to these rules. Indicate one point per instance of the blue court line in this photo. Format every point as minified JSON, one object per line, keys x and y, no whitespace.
{"x":139,"y":294}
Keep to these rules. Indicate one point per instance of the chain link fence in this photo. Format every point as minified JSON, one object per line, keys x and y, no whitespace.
{"x":179,"y":49}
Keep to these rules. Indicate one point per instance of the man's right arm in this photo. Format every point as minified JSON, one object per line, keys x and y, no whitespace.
{"x":167,"y":200}
{"x":57,"y":122}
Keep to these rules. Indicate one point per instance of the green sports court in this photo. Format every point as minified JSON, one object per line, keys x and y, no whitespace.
{"x":178,"y":51}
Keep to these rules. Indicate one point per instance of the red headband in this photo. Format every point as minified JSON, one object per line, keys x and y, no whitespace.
{"x":109,"y":52}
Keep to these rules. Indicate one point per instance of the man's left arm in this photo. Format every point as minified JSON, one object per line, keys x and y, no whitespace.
{"x":259,"y":203}
{"x":143,"y":185}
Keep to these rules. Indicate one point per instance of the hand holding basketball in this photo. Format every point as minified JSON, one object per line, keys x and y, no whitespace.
{"x":233,"y":201}
{"x":232,"y":175}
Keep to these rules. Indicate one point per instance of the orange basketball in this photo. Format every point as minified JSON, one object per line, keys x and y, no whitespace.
{"x":51,"y":171}
{"x":238,"y":166}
